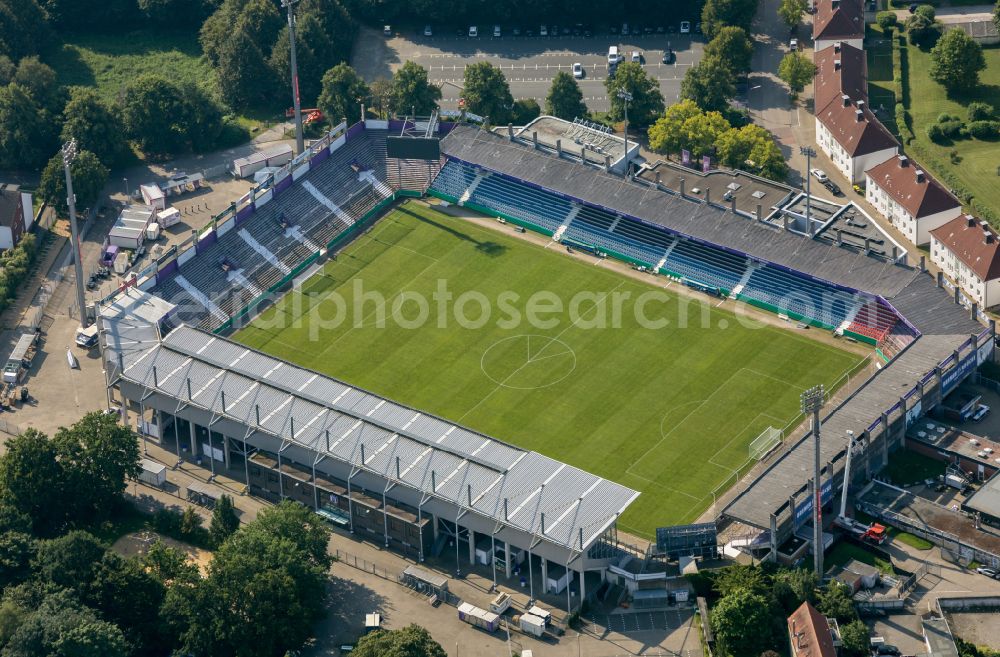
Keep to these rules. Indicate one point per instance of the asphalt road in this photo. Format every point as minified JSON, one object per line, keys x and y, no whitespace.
{"x":529,"y":63}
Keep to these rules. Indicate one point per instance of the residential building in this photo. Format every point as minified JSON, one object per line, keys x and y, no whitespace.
{"x":810,"y":633}
{"x":968,"y":251}
{"x":16,"y":214}
{"x":910,"y":198}
{"x":838,"y":20}
{"x":840,"y":70}
{"x":851,"y":136}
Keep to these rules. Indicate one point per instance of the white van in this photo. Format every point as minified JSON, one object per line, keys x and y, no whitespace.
{"x":614,"y":56}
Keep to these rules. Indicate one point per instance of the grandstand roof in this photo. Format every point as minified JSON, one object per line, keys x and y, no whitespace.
{"x":390,"y":440}
{"x":710,"y":223}
{"x":944,"y":326}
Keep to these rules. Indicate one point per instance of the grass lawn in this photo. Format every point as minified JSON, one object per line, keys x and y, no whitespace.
{"x":907,"y":467}
{"x":107,"y":63}
{"x":979,"y":166}
{"x":895,"y":533}
{"x":843,"y":552}
{"x":669,"y":411}
{"x":878,"y":50}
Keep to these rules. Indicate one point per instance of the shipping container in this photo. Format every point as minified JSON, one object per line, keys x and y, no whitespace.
{"x":479,"y":617}
{"x":153,"y":473}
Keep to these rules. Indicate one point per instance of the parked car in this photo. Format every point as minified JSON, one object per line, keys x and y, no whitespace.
{"x":496,"y":31}
{"x":819,"y":175}
{"x":887,"y":649}
{"x":659,"y":29}
{"x":669,"y":57}
{"x":543,"y":31}
{"x":516,"y":31}
{"x":565,"y":31}
{"x":989,"y":572}
{"x":981,"y":411}
{"x":387,"y":30}
{"x":473,"y":31}
{"x":577,"y":70}
{"x":793,"y":44}
{"x":832,"y":186}
{"x":685,"y":27}
{"x":428,"y":31}
{"x":859,"y":189}
{"x":636,"y":56}
{"x":614,"y":56}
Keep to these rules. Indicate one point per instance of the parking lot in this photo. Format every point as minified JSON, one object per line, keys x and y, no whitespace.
{"x":528,"y":62}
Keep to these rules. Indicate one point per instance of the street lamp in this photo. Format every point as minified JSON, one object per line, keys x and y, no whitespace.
{"x":812,"y":402}
{"x":299,"y":143}
{"x":810,"y":153}
{"x":68,"y":155}
{"x":127,"y":197}
{"x":626,"y":96}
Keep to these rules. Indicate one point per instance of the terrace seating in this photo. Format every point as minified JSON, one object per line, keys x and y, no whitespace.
{"x":801,"y":296}
{"x":874,"y":320}
{"x":706,"y":265}
{"x":586,"y":233}
{"x":453,"y":180}
{"x":522,"y":202}
{"x":267,"y":253}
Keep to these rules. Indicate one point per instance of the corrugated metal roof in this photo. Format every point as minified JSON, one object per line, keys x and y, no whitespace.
{"x":439,"y":458}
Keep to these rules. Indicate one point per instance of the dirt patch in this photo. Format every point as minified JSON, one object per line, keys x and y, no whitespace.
{"x":138,"y":543}
{"x":980,"y":628}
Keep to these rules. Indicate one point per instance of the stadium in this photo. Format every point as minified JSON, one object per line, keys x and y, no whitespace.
{"x":535,"y":440}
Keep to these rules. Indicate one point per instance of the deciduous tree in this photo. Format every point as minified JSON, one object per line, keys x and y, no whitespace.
{"x":565,"y":99}
{"x":487,"y":93}
{"x":709,"y":84}
{"x":412,"y":92}
{"x":856,"y":639}
{"x":734,"y":616}
{"x":27,"y":130}
{"x":956,"y":61}
{"x":410,"y":641}
{"x":791,"y":11}
{"x":796,"y":71}
{"x":342,"y":93}
{"x":89,"y":178}
{"x":225,"y":522}
{"x":647,"y":100}
{"x":732,"y":46}
{"x":94,"y":126}
{"x":31,"y":481}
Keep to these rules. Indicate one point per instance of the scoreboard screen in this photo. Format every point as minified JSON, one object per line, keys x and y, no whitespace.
{"x":413,"y":148}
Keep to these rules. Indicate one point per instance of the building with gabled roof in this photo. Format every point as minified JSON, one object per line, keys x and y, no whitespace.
{"x":838,"y":20}
{"x":810,"y":633}
{"x":840,"y":70}
{"x":851,"y":136}
{"x":968,"y":251}
{"x":910,"y":198}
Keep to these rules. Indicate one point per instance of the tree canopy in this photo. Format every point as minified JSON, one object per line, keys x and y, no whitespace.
{"x":731,"y":45}
{"x":28,"y":134}
{"x":565,"y":99}
{"x":412,"y":92}
{"x":342,"y":93}
{"x":94,"y":126}
{"x":164,"y":118}
{"x":709,"y":84}
{"x":487,"y":93}
{"x":410,"y":641}
{"x":647,"y":99}
{"x":89,"y":178}
{"x":225,"y":522}
{"x":796,"y":70}
{"x":956,"y":61}
{"x":716,"y":14}
{"x":791,"y":11}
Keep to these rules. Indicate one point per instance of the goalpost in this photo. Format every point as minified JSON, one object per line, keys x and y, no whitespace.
{"x":764,"y":443}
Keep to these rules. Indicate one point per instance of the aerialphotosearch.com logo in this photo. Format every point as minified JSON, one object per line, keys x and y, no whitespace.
{"x":545,"y":310}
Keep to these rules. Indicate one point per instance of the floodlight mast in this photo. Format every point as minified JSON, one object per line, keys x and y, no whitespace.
{"x":625,"y":95}
{"x":812,"y":402}
{"x":69,"y":152}
{"x":296,"y":102}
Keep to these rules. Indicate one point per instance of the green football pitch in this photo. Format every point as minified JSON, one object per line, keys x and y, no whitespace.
{"x":625,"y":379}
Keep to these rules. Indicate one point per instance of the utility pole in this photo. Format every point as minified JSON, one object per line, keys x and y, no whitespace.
{"x":627,"y":97}
{"x":68,"y":155}
{"x":296,"y":103}
{"x":812,"y":402}
{"x":810,"y":153}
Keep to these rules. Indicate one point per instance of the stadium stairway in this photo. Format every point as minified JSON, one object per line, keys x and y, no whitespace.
{"x":253,"y":257}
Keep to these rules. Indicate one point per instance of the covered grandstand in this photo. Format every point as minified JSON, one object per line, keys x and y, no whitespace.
{"x":341,"y":186}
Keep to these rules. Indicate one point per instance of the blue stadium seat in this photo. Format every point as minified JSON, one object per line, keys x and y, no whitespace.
{"x":797,"y":294}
